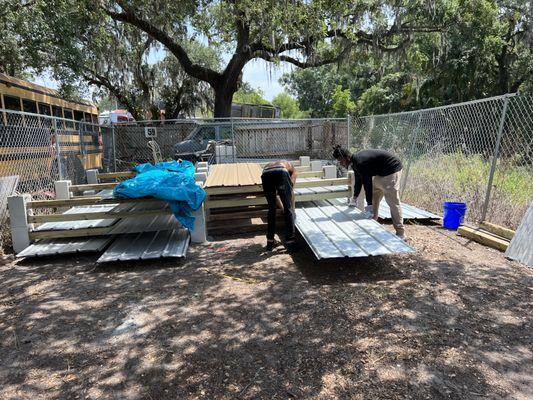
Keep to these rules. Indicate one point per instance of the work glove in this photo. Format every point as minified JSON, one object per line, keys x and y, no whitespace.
{"x":352,"y":202}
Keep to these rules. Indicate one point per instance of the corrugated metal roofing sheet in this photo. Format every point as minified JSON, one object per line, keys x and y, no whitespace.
{"x":148,"y":245}
{"x":243,"y":174}
{"x":81,"y":224}
{"x":340,"y":231}
{"x":50,"y":247}
{"x":409,"y":212}
{"x":147,"y":223}
{"x":521,"y":246}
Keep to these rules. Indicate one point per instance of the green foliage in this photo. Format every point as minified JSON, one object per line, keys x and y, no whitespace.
{"x":342,"y":104}
{"x":249,"y":95}
{"x":289,"y":106}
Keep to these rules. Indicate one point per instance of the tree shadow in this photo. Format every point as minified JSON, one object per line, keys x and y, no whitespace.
{"x":241,"y":324}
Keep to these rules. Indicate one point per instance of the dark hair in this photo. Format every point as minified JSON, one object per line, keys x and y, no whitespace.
{"x":340,"y":152}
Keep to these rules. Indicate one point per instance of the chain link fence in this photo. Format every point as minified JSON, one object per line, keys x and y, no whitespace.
{"x":221,"y":140}
{"x":478,"y":152}
{"x":37,"y":150}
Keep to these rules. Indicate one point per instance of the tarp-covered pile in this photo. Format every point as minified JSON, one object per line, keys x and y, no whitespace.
{"x":172,"y":181}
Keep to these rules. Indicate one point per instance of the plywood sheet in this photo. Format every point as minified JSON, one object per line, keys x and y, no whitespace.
{"x":243,"y":174}
{"x":521,"y":246}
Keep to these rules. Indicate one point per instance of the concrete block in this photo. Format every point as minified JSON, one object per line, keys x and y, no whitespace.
{"x":199,"y":233}
{"x":202,"y":170}
{"x":18,"y":217}
{"x":305,"y":161}
{"x":62,"y":189}
{"x":92,"y":176}
{"x":316,"y":165}
{"x":202,"y":164}
{"x":200,"y":177}
{"x":330,"y":171}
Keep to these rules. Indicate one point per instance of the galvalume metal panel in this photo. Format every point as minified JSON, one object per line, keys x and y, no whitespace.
{"x":334,"y":231}
{"x":81,"y":224}
{"x":242,"y":174}
{"x":148,"y":245}
{"x":409,"y":212}
{"x":50,"y":247}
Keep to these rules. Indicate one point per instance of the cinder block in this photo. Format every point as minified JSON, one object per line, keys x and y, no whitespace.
{"x":330,"y":171}
{"x":203,"y":169}
{"x":200,"y":177}
{"x":202,"y":164}
{"x":92,"y":176}
{"x":199,"y":233}
{"x":316,"y":165}
{"x":305,"y":161}
{"x":18,"y":217}
{"x":62,"y":189}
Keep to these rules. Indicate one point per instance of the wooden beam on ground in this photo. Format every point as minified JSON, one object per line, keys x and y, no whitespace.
{"x":497,"y":230}
{"x":311,"y":174}
{"x":481,"y":236}
{"x":40,"y":219}
{"x":258,"y":200}
{"x":83,"y":201}
{"x":107,"y":176}
{"x":96,"y":186}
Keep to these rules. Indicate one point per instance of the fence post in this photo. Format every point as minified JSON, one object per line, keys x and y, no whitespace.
{"x":410,"y":155}
{"x":114,"y":147}
{"x":495,"y":158}
{"x":349,"y":126}
{"x":58,"y":149}
{"x":233,"y":144}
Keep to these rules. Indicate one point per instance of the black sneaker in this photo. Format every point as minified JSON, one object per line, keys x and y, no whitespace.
{"x":270,"y":245}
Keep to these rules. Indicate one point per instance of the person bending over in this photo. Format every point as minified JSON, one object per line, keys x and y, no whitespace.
{"x":379,"y":172}
{"x":278,"y":179}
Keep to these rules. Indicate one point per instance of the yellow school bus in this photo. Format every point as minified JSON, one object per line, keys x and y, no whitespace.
{"x":29,"y":143}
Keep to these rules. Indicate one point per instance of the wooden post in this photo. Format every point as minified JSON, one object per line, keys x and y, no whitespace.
{"x":305,"y":161}
{"x":18,"y":217}
{"x":330,"y":171}
{"x":92,"y":176}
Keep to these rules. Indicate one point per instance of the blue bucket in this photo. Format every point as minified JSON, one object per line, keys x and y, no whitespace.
{"x":454,"y":214}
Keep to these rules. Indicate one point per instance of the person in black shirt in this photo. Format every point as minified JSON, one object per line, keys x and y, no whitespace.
{"x":379,"y":172}
{"x":278,"y":179}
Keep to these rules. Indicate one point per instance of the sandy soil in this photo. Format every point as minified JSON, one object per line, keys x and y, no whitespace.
{"x":452,"y":321}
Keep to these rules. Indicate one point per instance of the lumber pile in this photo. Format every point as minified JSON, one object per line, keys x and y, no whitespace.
{"x":488,"y":234}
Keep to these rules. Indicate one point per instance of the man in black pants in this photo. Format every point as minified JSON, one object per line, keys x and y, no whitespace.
{"x":380,"y":173}
{"x":278,"y":179}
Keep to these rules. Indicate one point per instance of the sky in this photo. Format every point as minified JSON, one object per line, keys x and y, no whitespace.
{"x":258,"y":73}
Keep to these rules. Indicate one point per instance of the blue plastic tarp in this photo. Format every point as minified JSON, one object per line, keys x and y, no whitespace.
{"x":172,"y":181}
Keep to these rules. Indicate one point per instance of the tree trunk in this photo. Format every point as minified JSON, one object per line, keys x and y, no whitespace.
{"x":223,"y":98}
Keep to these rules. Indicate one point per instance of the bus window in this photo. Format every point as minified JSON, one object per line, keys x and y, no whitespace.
{"x":12,"y":103}
{"x":69,"y":117}
{"x":30,"y":106}
{"x":44,"y":109}
{"x":58,"y":112}
{"x":78,"y":115}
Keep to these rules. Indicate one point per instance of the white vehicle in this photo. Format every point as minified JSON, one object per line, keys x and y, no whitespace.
{"x":115,"y":117}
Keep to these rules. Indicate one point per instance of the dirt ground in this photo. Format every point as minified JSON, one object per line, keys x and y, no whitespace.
{"x":231,"y":322}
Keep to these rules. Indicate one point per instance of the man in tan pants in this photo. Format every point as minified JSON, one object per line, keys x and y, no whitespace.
{"x":379,"y":172}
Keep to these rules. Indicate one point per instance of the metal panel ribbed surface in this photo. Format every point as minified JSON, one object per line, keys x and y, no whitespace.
{"x":148,"y":245}
{"x":333,"y":230}
{"x":50,"y":247}
{"x":81,"y":224}
{"x":243,"y":174}
{"x":409,"y":212}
